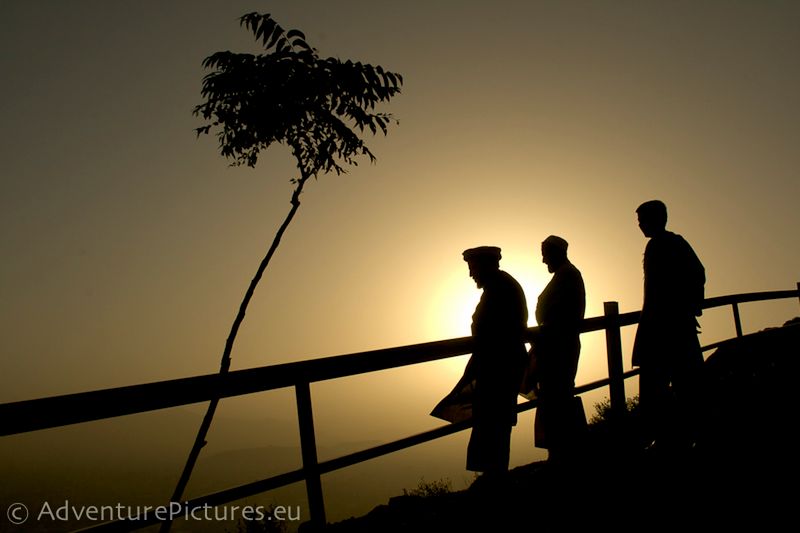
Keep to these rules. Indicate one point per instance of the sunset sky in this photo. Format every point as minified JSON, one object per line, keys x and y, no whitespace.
{"x":127,"y":243}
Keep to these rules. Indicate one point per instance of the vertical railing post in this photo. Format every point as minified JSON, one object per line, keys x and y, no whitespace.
{"x":308,"y":447}
{"x":614,"y":354}
{"x":737,"y":320}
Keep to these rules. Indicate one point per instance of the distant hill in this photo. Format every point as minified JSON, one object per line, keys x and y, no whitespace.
{"x":741,"y":474}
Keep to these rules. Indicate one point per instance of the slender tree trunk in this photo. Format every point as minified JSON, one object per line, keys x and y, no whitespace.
{"x":225,"y":364}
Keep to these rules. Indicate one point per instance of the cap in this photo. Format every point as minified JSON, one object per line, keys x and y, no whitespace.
{"x":556,"y":242}
{"x":482,"y":252}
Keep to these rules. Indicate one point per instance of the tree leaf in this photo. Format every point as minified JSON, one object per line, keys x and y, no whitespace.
{"x":292,"y":34}
{"x":274,"y":35}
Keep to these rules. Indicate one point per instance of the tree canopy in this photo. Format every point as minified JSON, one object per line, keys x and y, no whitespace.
{"x":290,"y":95}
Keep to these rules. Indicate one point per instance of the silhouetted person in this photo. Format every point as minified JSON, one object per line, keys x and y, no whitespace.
{"x":666,"y":347}
{"x":557,"y":347}
{"x":495,"y":368}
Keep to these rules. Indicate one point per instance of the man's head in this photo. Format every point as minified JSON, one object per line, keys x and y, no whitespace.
{"x":652,"y":217}
{"x":483,"y":261}
{"x":554,"y":252}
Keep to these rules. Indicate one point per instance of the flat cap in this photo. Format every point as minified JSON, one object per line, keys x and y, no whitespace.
{"x":482,"y":252}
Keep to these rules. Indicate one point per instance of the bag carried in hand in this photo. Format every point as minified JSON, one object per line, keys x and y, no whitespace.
{"x":457,"y":405}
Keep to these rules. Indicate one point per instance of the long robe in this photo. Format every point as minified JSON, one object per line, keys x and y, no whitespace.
{"x":559,"y":312}
{"x":495,"y":370}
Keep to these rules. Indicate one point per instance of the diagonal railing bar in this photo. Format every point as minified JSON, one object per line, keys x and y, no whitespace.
{"x":719,"y":301}
{"x":55,"y":411}
{"x":43,"y":413}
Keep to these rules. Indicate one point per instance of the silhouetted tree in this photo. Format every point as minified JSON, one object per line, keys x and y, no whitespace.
{"x":288,"y":95}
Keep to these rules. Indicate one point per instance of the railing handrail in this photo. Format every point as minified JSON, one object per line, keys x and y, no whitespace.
{"x":55,"y":411}
{"x":719,"y":301}
{"x":42,"y":413}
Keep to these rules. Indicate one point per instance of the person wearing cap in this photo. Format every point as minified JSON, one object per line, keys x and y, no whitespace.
{"x":559,"y":313}
{"x":666,"y":347}
{"x":495,"y":369}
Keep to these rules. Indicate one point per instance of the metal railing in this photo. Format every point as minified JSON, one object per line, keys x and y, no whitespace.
{"x":43,"y":413}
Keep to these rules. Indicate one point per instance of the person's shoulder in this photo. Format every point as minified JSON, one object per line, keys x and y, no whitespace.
{"x":572,"y":269}
{"x":505,"y":276}
{"x":679,"y":241}
{"x":666,"y":239}
{"x":675,"y":237}
{"x":508,"y":280}
{"x":568,"y":270}
{"x":574,"y":275}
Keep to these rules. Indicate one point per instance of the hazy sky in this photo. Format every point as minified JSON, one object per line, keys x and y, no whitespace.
{"x":127,"y":243}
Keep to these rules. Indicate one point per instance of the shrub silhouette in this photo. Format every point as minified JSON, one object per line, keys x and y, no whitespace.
{"x":427,"y":489}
